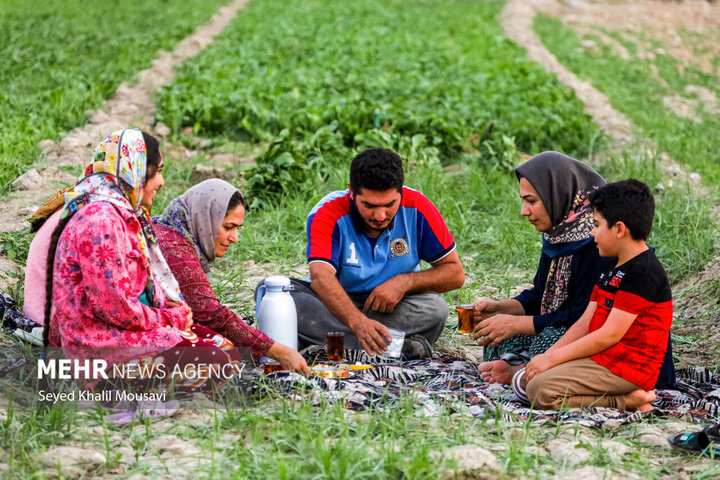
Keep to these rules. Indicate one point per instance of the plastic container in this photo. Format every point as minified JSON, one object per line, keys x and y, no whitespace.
{"x":275,"y":311}
{"x":395,"y":348}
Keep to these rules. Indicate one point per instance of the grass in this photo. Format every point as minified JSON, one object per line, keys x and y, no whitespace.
{"x":634,"y":90}
{"x":273,"y":44}
{"x":59,"y":59}
{"x":279,"y":437}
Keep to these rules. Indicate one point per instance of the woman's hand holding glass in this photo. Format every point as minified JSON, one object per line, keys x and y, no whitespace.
{"x":495,"y":329}
{"x":484,"y":309}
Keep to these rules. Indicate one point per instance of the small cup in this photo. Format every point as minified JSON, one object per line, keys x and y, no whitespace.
{"x":395,"y":347}
{"x":271,"y":366}
{"x":335,"y":346}
{"x":466,"y":323}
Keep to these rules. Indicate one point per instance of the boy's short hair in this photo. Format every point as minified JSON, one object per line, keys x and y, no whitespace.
{"x":377,"y":169}
{"x":628,"y":201}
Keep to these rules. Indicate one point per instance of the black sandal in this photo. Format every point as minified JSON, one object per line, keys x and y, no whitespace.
{"x":696,"y":442}
{"x":713,"y":433}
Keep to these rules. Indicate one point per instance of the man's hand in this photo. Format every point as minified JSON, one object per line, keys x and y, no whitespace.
{"x":484,"y":309}
{"x":495,"y":329}
{"x":372,"y":335}
{"x":539,"y":364}
{"x":385,"y":296}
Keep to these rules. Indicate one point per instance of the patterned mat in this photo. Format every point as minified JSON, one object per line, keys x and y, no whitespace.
{"x":449,"y":384}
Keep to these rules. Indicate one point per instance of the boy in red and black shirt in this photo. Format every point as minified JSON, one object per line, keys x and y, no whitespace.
{"x":611,"y":356}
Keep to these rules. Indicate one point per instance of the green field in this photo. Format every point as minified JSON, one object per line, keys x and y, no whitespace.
{"x":637,"y":92}
{"x":59,"y":59}
{"x":340,"y":77}
{"x":321,"y":84}
{"x":302,"y":86}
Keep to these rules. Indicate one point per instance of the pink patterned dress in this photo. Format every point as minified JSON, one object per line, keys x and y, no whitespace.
{"x":100,"y":271}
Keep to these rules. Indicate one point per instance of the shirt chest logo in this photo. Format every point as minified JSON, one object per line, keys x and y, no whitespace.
{"x":398,"y":248}
{"x":615,"y":281}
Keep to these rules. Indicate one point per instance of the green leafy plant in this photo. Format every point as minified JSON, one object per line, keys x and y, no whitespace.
{"x":343,"y":77}
{"x":15,"y":245}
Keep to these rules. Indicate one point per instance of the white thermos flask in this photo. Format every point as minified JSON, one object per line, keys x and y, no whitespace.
{"x":275,"y":311}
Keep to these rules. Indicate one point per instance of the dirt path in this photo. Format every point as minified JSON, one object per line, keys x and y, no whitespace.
{"x":517,"y":19}
{"x":131,"y":105}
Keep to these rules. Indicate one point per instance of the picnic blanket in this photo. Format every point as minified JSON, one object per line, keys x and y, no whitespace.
{"x":449,"y":384}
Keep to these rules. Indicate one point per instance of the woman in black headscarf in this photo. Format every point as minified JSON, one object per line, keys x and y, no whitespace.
{"x":554,"y":189}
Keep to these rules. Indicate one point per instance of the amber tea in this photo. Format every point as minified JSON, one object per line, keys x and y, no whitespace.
{"x":335,"y":346}
{"x":465,"y":319}
{"x":271,"y":366}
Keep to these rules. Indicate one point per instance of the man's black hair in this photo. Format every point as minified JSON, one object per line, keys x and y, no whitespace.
{"x":377,"y":169}
{"x":628,"y":201}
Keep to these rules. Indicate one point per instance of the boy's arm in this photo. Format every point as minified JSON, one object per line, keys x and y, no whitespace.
{"x":615,"y":327}
{"x":496,"y":328}
{"x":578,"y":329}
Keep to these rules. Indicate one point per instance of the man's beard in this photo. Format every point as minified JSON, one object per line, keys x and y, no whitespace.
{"x":370,"y":226}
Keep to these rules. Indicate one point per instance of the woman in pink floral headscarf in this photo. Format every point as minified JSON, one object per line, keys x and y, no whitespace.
{"x":110,"y":285}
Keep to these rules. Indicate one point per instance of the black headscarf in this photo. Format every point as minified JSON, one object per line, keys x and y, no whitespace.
{"x":563,"y":185}
{"x":557,"y":179}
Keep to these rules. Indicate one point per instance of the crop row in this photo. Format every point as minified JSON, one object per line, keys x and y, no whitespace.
{"x":319,"y":79}
{"x":58,"y":59}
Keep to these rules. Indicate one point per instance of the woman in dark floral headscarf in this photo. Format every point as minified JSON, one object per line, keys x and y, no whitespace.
{"x":554,"y":189}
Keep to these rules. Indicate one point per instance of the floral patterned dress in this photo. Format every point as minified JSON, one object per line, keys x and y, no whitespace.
{"x":99,"y":273}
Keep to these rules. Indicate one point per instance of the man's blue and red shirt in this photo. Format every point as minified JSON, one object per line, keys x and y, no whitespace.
{"x":362,"y":262}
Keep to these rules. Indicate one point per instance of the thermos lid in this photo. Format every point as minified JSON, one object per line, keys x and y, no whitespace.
{"x":277,"y":282}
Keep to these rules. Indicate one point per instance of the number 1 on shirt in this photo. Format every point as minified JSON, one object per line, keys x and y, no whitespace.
{"x":353,"y":257}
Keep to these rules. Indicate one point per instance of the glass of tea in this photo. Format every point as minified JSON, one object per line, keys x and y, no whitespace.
{"x":335,"y":346}
{"x":465,"y":319}
{"x":271,"y":366}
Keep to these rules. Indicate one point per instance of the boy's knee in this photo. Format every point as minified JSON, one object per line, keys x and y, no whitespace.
{"x":541,"y":393}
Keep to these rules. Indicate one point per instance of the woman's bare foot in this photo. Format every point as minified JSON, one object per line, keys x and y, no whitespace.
{"x":498,"y":371}
{"x":640,"y":400}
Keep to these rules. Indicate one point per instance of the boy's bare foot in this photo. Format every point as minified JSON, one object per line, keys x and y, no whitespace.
{"x":498,"y":371}
{"x":640,"y":400}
